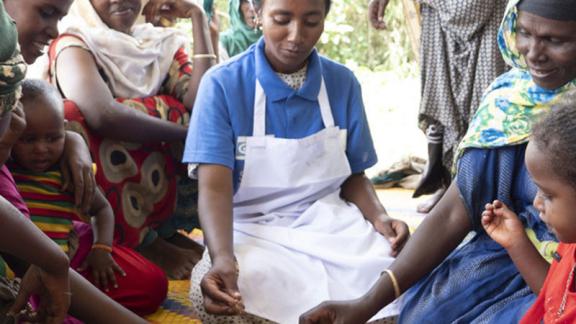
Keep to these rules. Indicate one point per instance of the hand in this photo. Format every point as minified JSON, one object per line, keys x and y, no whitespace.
{"x":12,"y":134}
{"x":396,"y":231}
{"x":170,"y":9}
{"x":337,"y":312}
{"x":76,"y":165}
{"x":502,"y":224}
{"x":104,"y":268}
{"x":220,"y":289}
{"x":54,"y":293}
{"x":376,"y":10}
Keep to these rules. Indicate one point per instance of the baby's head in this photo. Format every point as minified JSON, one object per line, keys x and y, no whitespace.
{"x":551,"y":161}
{"x":42,"y":143}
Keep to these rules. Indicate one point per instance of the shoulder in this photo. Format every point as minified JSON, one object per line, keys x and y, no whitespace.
{"x":239,"y":65}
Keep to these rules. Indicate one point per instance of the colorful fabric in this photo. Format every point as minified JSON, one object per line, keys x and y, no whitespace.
{"x":239,"y":36}
{"x":513,"y":102}
{"x":559,"y":284}
{"x":9,"y":191}
{"x":478,"y":282}
{"x":12,"y":66}
{"x":51,"y":210}
{"x":459,"y":60}
{"x":135,"y":64}
{"x":139,"y":180}
{"x":145,"y":285}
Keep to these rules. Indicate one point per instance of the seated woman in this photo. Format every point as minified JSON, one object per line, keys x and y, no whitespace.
{"x":243,"y":31}
{"x":478,"y":283}
{"x":123,"y":274}
{"x":132,"y":89}
{"x":30,"y":253}
{"x":281,"y":141}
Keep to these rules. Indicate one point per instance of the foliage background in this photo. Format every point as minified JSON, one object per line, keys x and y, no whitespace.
{"x":349,"y":38}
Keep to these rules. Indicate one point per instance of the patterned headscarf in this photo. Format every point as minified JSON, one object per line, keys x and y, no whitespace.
{"x":513,"y":102}
{"x":12,"y":65}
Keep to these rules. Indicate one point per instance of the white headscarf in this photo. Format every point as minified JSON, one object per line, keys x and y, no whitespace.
{"x":136,"y":64}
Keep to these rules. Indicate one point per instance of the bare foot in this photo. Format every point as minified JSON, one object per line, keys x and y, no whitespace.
{"x":427,"y":206}
{"x":176,"y":262}
{"x":183,"y":241}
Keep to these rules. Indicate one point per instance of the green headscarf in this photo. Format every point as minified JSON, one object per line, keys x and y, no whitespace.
{"x":239,"y":36}
{"x":12,"y":65}
{"x":513,"y":102}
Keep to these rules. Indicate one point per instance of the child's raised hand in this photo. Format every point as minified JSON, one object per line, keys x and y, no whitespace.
{"x":103,"y":267}
{"x":502,"y":224}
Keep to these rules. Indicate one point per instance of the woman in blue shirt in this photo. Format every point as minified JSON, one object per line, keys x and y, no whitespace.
{"x":279,"y":141}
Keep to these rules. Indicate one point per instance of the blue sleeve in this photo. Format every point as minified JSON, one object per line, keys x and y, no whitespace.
{"x":359,"y":148}
{"x":210,"y":137}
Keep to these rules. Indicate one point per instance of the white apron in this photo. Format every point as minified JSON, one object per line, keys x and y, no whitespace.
{"x":297,"y":242}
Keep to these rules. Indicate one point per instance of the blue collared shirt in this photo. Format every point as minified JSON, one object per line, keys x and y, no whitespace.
{"x":224,"y":109}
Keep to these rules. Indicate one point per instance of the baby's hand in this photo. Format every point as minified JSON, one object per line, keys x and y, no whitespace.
{"x":502,"y":224}
{"x":103,"y":267}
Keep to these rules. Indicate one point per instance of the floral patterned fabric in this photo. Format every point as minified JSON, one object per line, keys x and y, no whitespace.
{"x":513,"y":102}
{"x":139,"y":180}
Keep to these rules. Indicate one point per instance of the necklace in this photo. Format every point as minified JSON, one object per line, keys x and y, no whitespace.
{"x":566,"y":289}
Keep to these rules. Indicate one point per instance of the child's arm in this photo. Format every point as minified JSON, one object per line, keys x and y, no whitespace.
{"x":100,"y":258}
{"x":504,"y":227}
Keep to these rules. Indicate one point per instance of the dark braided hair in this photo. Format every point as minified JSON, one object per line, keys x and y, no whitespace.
{"x":256,"y":4}
{"x":555,"y":135}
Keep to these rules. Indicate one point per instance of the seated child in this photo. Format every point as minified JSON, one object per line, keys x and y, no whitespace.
{"x":551,"y":161}
{"x":123,"y":274}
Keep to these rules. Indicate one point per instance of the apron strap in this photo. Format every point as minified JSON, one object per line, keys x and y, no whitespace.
{"x":259,"y":126}
{"x":259,"y":111}
{"x":324,"y":103}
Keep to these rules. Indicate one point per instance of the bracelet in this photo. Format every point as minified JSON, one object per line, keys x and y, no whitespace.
{"x":101,"y":246}
{"x":202,"y":56}
{"x":394,"y":282}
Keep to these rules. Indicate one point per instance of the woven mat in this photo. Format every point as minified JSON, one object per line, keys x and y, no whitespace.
{"x":177,"y":307}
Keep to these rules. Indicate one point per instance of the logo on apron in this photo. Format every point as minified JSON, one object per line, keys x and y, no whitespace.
{"x":241,"y":148}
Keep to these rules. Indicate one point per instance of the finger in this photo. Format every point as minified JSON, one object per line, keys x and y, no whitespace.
{"x":89,"y":188}
{"x":498,"y":204}
{"x":65,"y":177}
{"x":104,"y":279}
{"x":97,"y":278}
{"x":119,"y":269}
{"x":381,"y":7}
{"x":214,"y":307}
{"x":20,"y":302}
{"x":111,"y":277}
{"x":78,"y":183}
{"x":388,"y":232}
{"x":211,"y":290}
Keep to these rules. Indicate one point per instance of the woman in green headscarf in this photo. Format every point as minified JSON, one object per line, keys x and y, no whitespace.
{"x":243,"y":31}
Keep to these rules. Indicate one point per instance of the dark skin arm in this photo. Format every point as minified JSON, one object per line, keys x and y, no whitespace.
{"x":48,"y":275}
{"x":220,"y":285}
{"x":358,"y":190}
{"x":80,"y":81}
{"x":440,"y":232}
{"x":200,"y":33}
{"x":100,"y":261}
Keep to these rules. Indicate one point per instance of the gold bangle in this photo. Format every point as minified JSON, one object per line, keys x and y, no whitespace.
{"x":101,"y":246}
{"x":203,"y":56}
{"x":394,"y":282}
